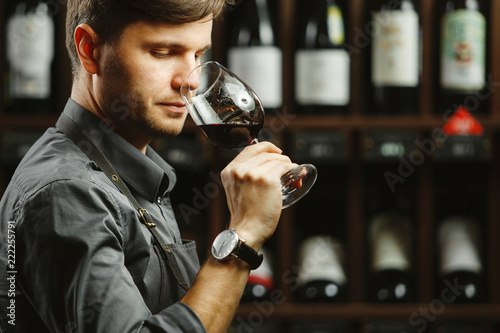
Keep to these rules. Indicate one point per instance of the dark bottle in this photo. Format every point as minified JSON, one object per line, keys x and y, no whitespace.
{"x":29,"y":51}
{"x":460,"y":276}
{"x":396,"y":58}
{"x":253,"y":51}
{"x":260,"y":282}
{"x":321,"y":274}
{"x":463,"y":56}
{"x":322,"y":62}
{"x":391,"y":278}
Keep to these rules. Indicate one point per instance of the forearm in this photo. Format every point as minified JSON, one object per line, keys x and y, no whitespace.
{"x":216,"y":292}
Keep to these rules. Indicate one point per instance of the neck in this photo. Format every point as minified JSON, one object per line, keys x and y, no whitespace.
{"x":83,"y":95}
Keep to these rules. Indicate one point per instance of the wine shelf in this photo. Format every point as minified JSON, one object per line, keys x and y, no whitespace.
{"x":366,"y":311}
{"x":355,"y":124}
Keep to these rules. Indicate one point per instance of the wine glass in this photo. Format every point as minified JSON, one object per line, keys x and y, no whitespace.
{"x":231,"y":115}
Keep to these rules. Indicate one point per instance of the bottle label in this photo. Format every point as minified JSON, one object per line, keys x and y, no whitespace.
{"x":395,"y":47}
{"x":335,"y":25}
{"x":463,"y":50}
{"x":458,"y":241}
{"x":30,"y":50}
{"x":390,"y":240}
{"x":321,"y":258}
{"x":261,"y":68}
{"x":322,"y":77}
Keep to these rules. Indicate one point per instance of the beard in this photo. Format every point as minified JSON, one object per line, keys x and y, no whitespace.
{"x":127,"y":109}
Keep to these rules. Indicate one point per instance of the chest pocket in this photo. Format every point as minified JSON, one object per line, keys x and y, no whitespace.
{"x":187,"y":259}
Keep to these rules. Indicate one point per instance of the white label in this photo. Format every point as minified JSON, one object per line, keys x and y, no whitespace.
{"x":395,"y":48}
{"x":30,"y":50}
{"x":261,"y":68}
{"x":321,"y":258}
{"x":458,"y":241}
{"x":463,"y":50}
{"x":322,"y":77}
{"x":390,"y":239}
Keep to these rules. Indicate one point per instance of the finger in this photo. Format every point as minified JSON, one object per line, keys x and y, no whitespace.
{"x":256,"y":149}
{"x":269,"y":172}
{"x":238,"y":170}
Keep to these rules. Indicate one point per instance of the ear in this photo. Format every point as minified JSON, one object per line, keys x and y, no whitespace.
{"x":86,"y":41}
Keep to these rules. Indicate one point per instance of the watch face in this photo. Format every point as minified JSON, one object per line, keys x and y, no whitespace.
{"x":224,"y":244}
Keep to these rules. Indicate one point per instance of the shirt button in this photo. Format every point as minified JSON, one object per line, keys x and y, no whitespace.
{"x":158,"y":200}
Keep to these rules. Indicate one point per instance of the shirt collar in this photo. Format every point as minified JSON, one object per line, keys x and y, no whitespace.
{"x":147,"y":173}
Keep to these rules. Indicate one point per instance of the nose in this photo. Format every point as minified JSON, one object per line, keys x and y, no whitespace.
{"x":187,"y":78}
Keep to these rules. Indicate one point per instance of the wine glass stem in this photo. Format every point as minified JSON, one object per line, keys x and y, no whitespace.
{"x":288,"y":179}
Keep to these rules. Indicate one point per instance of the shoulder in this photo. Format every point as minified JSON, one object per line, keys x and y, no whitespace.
{"x":57,"y":181}
{"x":52,"y":160}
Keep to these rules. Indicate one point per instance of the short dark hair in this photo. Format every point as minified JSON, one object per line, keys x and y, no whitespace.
{"x":109,"y":18}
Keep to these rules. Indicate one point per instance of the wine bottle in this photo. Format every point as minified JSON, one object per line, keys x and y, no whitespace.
{"x":321,"y":274}
{"x":322,"y":63}
{"x":460,"y":267}
{"x":29,"y":46}
{"x":260,"y":282}
{"x":396,"y":58}
{"x":391,"y":279}
{"x":463,"y":55}
{"x":253,"y":51}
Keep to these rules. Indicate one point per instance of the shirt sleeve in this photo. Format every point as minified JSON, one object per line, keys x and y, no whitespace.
{"x":71,"y":267}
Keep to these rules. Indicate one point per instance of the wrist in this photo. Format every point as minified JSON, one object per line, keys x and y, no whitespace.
{"x":230,"y":245}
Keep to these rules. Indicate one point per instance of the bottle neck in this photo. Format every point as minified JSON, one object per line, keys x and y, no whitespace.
{"x":453,"y":5}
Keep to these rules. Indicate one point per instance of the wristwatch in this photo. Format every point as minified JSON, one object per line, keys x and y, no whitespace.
{"x":229,"y":244}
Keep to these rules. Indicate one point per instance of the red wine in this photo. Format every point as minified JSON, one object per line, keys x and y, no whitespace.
{"x":29,"y":53}
{"x":321,"y":275}
{"x":232,"y":135}
{"x":395,"y":58}
{"x":463,"y":56}
{"x":260,"y":283}
{"x":322,"y":62}
{"x":461,"y":275}
{"x":253,"y":49}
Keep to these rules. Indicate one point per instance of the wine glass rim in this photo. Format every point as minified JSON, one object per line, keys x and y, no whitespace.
{"x":203,"y":64}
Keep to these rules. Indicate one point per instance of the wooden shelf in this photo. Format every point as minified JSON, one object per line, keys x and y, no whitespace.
{"x":367,"y":311}
{"x":355,"y":124}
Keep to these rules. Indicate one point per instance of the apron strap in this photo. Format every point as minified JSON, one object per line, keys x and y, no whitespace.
{"x":83,"y":141}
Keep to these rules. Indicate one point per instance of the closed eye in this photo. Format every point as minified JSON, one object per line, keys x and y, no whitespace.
{"x":160,"y":55}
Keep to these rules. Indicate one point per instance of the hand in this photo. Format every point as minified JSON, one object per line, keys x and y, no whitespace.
{"x":253,"y":190}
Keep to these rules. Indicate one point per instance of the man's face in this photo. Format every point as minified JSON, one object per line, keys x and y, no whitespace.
{"x":138,"y":87}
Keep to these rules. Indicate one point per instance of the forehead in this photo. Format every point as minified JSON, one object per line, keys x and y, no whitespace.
{"x":190,"y":35}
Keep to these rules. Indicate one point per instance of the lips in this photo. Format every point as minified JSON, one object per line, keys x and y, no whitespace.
{"x":174,"y":107}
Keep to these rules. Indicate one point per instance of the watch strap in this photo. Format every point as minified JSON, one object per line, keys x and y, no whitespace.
{"x":249,"y":255}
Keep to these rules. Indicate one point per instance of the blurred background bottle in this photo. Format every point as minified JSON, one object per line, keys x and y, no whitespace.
{"x":322,"y":63}
{"x":321,"y":273}
{"x":29,"y":52}
{"x":260,"y":281}
{"x":253,"y":50}
{"x":390,"y":242}
{"x":396,"y":58}
{"x":463,"y":56}
{"x":460,"y":268}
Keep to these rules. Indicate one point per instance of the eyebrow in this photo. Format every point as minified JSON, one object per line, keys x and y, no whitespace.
{"x":172,"y":45}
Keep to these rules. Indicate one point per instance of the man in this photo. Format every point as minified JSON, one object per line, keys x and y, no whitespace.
{"x":83,"y":260}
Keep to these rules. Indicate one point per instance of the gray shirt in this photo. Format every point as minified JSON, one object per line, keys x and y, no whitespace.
{"x":74,"y":256}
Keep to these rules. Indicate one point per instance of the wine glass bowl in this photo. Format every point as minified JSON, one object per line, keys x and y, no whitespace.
{"x":230,"y":115}
{"x":225,"y":108}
